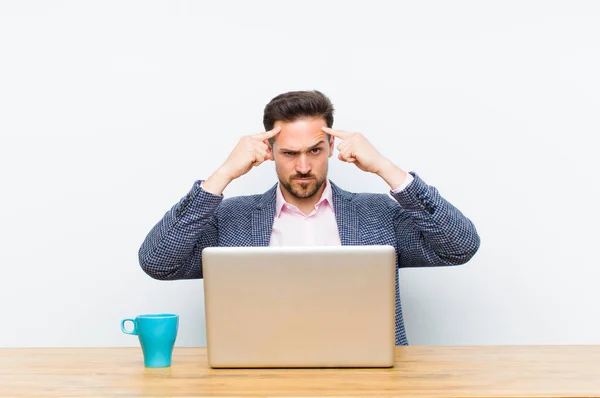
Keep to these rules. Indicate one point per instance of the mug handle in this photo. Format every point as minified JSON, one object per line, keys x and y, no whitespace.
{"x":133,"y":331}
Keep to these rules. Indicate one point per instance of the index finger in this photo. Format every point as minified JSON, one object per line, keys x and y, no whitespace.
{"x":336,"y":133}
{"x":268,"y":134}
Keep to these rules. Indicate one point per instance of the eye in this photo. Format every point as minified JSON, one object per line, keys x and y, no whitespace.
{"x":289,"y":153}
{"x":315,"y":150}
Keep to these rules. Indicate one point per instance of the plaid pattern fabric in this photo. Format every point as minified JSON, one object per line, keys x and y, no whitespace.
{"x":425,"y":229}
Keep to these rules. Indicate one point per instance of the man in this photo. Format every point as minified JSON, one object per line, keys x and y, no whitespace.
{"x":305,"y":208}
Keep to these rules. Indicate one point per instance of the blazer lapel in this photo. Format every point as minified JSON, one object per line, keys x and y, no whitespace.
{"x":346,"y":216}
{"x":262,"y":218}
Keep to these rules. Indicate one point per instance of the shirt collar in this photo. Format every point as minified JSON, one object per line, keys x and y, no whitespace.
{"x":326,"y":196}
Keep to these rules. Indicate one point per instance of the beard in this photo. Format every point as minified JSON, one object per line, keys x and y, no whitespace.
{"x":302,"y":190}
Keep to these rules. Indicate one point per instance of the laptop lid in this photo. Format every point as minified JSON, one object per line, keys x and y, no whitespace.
{"x":326,"y":306}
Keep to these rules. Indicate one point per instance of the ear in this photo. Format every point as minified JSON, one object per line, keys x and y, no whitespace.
{"x":269,"y":151}
{"x":331,"y":145}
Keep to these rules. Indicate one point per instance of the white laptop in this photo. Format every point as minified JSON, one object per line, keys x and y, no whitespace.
{"x":325,"y":306}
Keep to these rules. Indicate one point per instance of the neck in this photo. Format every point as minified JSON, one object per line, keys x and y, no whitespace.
{"x":306,"y":205}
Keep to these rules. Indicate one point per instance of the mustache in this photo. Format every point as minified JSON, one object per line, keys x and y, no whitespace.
{"x":297,"y":176}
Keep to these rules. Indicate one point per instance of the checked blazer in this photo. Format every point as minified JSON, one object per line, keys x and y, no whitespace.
{"x":425,"y":229}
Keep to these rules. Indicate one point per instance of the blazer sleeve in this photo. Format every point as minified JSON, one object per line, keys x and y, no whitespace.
{"x":173,"y":248}
{"x":430,"y":230}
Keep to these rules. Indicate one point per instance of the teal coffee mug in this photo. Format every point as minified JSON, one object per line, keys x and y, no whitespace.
{"x":157,"y":334}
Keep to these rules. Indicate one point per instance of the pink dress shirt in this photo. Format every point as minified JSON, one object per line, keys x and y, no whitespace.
{"x":291,"y":227}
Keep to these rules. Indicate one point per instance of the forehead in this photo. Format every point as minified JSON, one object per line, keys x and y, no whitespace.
{"x":300,"y":133}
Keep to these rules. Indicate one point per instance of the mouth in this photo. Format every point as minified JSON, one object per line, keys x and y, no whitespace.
{"x":303,"y":179}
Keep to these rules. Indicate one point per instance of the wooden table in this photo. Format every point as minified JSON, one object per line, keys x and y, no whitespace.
{"x":501,"y":371}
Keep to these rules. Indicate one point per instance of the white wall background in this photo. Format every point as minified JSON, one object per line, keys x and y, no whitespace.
{"x":110,"y":110}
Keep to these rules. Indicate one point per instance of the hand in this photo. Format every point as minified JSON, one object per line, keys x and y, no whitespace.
{"x":355,"y":148}
{"x":250,"y":151}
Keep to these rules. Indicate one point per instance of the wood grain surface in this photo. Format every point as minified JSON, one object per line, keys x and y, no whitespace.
{"x":482,"y":371}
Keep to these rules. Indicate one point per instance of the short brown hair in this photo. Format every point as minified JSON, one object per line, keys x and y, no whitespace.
{"x":294,"y":105}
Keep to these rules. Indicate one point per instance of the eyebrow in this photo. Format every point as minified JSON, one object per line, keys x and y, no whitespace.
{"x":309,"y":149}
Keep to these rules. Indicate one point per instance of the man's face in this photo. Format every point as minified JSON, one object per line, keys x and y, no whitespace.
{"x":301,"y":152}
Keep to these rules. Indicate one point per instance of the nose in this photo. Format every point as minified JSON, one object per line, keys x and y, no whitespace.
{"x":303,"y":164}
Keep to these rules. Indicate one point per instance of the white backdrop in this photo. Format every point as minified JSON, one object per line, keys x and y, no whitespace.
{"x":110,"y":110}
